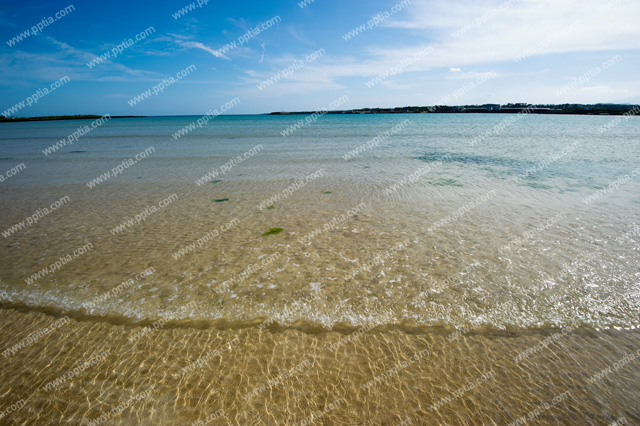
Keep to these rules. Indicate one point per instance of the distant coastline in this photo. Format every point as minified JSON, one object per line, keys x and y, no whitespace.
{"x":4,"y":119}
{"x":562,"y":109}
{"x":575,"y":109}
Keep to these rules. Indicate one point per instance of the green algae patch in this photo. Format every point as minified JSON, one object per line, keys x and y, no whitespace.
{"x":272,"y":231}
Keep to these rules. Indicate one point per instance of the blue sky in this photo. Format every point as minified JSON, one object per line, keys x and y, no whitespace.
{"x":420,"y":52}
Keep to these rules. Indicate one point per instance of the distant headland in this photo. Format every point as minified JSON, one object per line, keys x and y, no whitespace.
{"x":575,"y":109}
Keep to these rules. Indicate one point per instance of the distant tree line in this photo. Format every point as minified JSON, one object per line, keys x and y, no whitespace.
{"x":510,"y":108}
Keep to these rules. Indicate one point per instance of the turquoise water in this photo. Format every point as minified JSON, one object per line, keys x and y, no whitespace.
{"x":534,"y":252}
{"x":600,"y":158}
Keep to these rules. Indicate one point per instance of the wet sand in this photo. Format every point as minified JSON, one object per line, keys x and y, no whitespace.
{"x":145,"y":380}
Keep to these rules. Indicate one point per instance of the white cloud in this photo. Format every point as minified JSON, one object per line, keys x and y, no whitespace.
{"x":522,"y":26}
{"x":198,"y":45}
{"x":62,"y":59}
{"x":163,"y":38}
{"x":526,"y":26}
{"x":473,"y":75}
{"x":603,"y":89}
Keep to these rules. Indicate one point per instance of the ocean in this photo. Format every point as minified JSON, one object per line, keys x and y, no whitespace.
{"x":354,"y":269}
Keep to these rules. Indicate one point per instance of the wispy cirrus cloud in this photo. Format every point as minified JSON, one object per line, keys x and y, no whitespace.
{"x":198,"y":45}
{"x":56,"y":58}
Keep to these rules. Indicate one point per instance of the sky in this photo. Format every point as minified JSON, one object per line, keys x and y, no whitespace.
{"x":308,"y":54}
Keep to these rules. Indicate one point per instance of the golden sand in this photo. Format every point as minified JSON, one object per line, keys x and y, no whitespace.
{"x":286,"y":376}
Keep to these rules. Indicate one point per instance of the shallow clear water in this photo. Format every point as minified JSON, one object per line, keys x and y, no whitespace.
{"x":472,"y":248}
{"x":533,"y":254}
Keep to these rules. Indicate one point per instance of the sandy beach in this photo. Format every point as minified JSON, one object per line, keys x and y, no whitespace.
{"x":279,"y":376}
